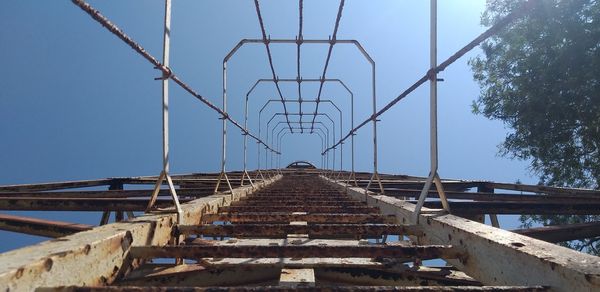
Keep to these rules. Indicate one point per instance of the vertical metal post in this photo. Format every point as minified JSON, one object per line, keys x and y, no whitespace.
{"x":341,"y":146}
{"x":375,"y":175}
{"x":258,"y":148}
{"x":333,"y":162}
{"x":245,"y":173}
{"x":267,"y":170}
{"x":271,"y":161}
{"x":327,"y":154}
{"x":352,"y":176}
{"x":279,"y":146}
{"x":165,"y":120}
{"x":433,"y":150}
{"x":223,"y":174}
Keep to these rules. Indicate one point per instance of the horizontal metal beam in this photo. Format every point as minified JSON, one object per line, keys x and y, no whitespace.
{"x":560,"y":233}
{"x":542,"y":189}
{"x":200,"y":276}
{"x":289,"y":217}
{"x":308,"y":202}
{"x":40,"y":227}
{"x":294,"y":251}
{"x":313,"y":230}
{"x":384,"y":271}
{"x":55,"y":185}
{"x":483,"y":196}
{"x":417,"y":276}
{"x":108,"y":193}
{"x":320,"y":288}
{"x":310,"y":209}
{"x":471,"y":208}
{"x":78,"y":204}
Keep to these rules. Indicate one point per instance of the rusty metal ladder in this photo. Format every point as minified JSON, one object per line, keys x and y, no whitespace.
{"x":300,"y":233}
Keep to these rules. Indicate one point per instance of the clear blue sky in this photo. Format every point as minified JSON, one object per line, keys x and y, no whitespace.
{"x":77,"y":103}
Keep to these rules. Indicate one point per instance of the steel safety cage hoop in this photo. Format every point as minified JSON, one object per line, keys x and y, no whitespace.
{"x":295,"y":114}
{"x":357,"y":44}
{"x":281,"y":134}
{"x":97,"y":16}
{"x":281,"y":130}
{"x":319,"y":114}
{"x":341,"y":116}
{"x":352,"y":175}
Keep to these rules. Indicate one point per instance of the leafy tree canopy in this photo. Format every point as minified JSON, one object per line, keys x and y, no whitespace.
{"x":541,"y":77}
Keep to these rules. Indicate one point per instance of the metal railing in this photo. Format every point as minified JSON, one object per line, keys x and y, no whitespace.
{"x":430,"y":75}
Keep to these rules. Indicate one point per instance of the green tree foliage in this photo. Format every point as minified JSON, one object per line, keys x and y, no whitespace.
{"x":541,"y":77}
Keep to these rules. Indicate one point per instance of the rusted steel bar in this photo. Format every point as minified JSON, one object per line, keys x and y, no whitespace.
{"x":77,"y":204}
{"x":55,"y":185}
{"x":332,"y":269}
{"x":560,"y":233}
{"x":284,"y":202}
{"x":300,"y":197}
{"x":266,"y":41}
{"x":483,"y":196}
{"x":299,"y":44}
{"x":494,"y":253}
{"x":292,"y":190}
{"x":543,"y":189}
{"x":288,"y":289}
{"x":421,"y":276}
{"x":288,"y":217}
{"x":470,"y":208}
{"x":107,"y":194}
{"x":294,"y":251}
{"x":40,"y":227}
{"x":96,"y":15}
{"x":310,"y":209}
{"x":252,"y":230}
{"x":515,"y":14}
{"x":327,"y":59}
{"x":419,"y":184}
{"x":318,"y":191}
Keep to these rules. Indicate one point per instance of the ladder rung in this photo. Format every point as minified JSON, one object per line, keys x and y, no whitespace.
{"x":257,"y":230}
{"x":295,"y":251}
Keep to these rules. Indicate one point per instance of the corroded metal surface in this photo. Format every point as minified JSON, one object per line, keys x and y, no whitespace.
{"x":288,"y":217}
{"x":100,"y":256}
{"x":258,"y":242}
{"x":294,"y":251}
{"x":40,"y":227}
{"x":310,"y":238}
{"x":325,"y":288}
{"x":313,"y":230}
{"x":495,"y":256}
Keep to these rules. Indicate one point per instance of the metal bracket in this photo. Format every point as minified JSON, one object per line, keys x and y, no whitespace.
{"x":165,"y":176}
{"x":375,"y":176}
{"x":223,"y":176}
